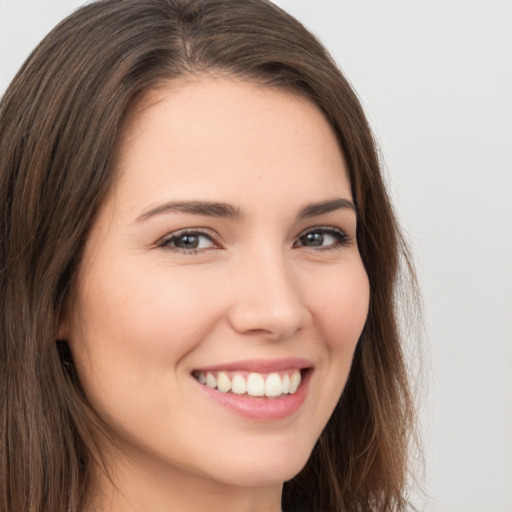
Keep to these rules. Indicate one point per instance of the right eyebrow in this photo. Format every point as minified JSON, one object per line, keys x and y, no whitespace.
{"x":208,"y":208}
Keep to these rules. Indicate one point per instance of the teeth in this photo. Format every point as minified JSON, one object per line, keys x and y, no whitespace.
{"x":294,"y":381}
{"x":273,"y":385}
{"x":286,"y":384}
{"x":211,"y":381}
{"x":223,"y":382}
{"x":255,"y":384}
{"x":239,"y":385}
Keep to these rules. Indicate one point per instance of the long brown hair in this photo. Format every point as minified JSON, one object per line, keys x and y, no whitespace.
{"x":60,"y":124}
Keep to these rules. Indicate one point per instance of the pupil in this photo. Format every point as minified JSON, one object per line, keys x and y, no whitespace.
{"x":314,"y":239}
{"x":188,"y":241}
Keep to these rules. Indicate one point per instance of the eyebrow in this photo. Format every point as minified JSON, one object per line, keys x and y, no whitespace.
{"x":315,"y":209}
{"x":215,"y":209}
{"x":208,"y":208}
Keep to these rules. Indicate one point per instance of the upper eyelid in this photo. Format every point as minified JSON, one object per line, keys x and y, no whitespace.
{"x":199,"y":231}
{"x":325,"y":228}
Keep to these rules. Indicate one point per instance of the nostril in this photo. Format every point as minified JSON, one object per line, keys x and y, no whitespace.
{"x":267,"y":323}
{"x":268,"y":305}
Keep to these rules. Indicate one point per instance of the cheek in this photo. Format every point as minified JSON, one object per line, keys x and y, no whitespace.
{"x":153,"y":313}
{"x":134,"y":329}
{"x":340,"y":303}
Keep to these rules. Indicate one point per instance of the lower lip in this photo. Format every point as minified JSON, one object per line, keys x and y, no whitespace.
{"x":261,"y":408}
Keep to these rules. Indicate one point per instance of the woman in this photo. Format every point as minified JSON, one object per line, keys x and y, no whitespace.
{"x":199,"y":263}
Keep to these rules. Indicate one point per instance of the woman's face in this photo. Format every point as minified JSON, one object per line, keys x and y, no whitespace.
{"x":226,"y":252}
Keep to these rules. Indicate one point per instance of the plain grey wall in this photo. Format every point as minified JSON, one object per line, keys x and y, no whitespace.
{"x":435,"y":77}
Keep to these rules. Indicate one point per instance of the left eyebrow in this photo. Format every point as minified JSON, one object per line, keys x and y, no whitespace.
{"x":315,"y":209}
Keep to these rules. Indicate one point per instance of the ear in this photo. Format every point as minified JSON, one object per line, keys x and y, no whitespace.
{"x":64,"y":330}
{"x":63,"y":333}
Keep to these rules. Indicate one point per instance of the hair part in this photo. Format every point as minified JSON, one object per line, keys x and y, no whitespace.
{"x":60,"y":126}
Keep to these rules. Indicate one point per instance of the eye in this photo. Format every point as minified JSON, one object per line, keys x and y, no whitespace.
{"x":188,"y":241}
{"x":323,"y":238}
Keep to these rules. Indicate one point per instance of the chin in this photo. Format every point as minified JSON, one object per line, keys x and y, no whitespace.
{"x":264,"y":472}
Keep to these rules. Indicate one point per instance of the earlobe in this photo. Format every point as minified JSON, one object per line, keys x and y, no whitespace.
{"x":63,"y":333}
{"x":64,"y":325}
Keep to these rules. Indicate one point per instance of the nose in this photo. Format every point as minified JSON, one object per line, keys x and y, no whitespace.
{"x":267,"y":299}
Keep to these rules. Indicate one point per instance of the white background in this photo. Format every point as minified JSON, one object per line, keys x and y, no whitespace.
{"x":435,"y":77}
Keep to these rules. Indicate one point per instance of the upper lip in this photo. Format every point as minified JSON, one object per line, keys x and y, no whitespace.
{"x":260,"y":365}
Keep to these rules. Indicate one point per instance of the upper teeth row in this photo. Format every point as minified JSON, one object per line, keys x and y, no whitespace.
{"x":255,"y":384}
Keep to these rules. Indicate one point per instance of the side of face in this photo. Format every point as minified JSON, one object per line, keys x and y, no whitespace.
{"x":227,"y":245}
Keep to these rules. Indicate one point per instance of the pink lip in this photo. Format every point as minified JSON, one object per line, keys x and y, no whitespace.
{"x":260,"y":365}
{"x":260,"y":408}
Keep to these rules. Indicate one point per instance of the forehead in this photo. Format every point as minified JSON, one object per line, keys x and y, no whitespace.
{"x":213,"y":135}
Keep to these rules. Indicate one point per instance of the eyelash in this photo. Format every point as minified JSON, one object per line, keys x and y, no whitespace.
{"x":166,"y":243}
{"x":341,"y":239}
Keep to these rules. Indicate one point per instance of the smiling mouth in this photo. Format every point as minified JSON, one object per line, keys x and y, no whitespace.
{"x":253,"y":384}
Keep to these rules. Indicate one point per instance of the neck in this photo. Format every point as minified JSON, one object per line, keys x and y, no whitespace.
{"x":139,"y":488}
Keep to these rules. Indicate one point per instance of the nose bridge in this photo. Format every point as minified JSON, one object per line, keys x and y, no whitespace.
{"x":268,"y":298}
